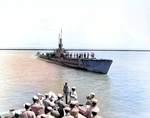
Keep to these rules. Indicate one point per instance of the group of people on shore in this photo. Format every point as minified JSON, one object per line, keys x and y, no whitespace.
{"x":60,"y":106}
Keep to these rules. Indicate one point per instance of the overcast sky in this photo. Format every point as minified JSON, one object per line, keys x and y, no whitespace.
{"x":96,"y":24}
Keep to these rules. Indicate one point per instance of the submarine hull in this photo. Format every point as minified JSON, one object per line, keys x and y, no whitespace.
{"x":94,"y":65}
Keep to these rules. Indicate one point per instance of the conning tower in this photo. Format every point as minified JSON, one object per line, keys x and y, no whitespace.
{"x":60,"y":51}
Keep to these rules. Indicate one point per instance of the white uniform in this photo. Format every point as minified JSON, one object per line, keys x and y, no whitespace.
{"x":89,"y":111}
{"x":28,"y":114}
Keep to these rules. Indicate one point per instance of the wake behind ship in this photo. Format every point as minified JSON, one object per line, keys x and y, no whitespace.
{"x":81,"y":61}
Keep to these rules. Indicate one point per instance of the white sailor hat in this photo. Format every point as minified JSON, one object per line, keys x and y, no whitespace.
{"x":49,"y":108}
{"x":92,"y":93}
{"x":38,"y":93}
{"x":73,"y":87}
{"x":73,"y":102}
{"x":59,"y":95}
{"x":67,"y":109}
{"x":43,"y":115}
{"x":95,"y":100}
{"x":26,"y":104}
{"x":50,"y":94}
{"x":47,"y":94}
{"x":94,"y":110}
{"x":35,"y":98}
{"x":16,"y":112}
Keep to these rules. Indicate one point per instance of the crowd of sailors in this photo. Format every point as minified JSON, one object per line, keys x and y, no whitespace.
{"x":80,"y":55}
{"x":60,"y":106}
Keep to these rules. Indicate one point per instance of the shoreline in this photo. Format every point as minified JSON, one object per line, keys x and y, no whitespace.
{"x":81,"y":49}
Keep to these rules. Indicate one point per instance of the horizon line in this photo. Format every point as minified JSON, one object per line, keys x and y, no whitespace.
{"x":79,"y":49}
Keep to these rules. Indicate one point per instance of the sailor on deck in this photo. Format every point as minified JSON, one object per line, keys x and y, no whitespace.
{"x":53,"y":96}
{"x":90,"y":98}
{"x":94,"y":113}
{"x":76,"y":55}
{"x":87,"y":55}
{"x":48,"y":115}
{"x":47,"y":102}
{"x":36,"y":107}
{"x":74,"y":110}
{"x":67,"y":110}
{"x":55,"y":113}
{"x":88,"y":102}
{"x":74,"y":93}
{"x":66,"y":91}
{"x":27,"y":113}
{"x":51,"y":113}
{"x":92,"y":55}
{"x":93,"y":106}
{"x":61,"y":105}
{"x":84,"y":55}
{"x":74,"y":96}
{"x":16,"y":114}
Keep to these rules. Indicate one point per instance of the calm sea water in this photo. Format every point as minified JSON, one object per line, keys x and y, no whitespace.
{"x":122,"y":93}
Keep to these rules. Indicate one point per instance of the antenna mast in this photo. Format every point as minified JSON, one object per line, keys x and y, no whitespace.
{"x":60,"y":42}
{"x":61,"y":33}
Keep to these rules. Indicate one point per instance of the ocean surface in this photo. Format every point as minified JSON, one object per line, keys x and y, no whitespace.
{"x":122,"y":93}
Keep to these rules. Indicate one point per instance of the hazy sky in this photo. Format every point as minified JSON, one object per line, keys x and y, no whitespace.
{"x":97,"y":24}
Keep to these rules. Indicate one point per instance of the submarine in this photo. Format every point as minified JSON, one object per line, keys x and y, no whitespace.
{"x":83,"y":61}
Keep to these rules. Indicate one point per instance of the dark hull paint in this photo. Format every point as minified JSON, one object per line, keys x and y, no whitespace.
{"x":101,"y":66}
{"x":94,"y":65}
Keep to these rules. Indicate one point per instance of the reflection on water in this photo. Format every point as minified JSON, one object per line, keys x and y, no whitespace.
{"x":22,"y":76}
{"x":122,"y":93}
